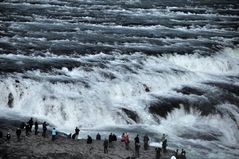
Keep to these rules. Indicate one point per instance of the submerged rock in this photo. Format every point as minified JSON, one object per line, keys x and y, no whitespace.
{"x":10,"y":100}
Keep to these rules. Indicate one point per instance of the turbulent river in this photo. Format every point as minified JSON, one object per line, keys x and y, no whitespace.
{"x":89,"y":63}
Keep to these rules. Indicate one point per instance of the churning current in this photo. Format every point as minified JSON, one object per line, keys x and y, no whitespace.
{"x":141,"y":66}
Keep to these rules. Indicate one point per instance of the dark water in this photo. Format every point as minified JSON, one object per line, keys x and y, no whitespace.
{"x":85,"y":62}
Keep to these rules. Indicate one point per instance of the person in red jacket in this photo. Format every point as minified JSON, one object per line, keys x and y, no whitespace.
{"x":126,"y":140}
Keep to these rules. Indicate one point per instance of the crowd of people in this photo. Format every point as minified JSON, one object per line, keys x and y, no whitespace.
{"x":107,"y":143}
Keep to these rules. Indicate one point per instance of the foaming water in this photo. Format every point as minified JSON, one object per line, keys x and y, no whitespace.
{"x":211,"y":133}
{"x":225,"y":63}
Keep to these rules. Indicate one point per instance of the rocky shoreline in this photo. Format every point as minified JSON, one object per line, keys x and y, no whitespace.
{"x":35,"y":146}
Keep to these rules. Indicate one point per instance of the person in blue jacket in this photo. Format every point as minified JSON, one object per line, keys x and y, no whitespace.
{"x":53,"y":134}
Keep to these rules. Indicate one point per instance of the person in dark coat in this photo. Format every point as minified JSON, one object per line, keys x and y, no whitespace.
{"x":44,"y":128}
{"x":30,"y":122}
{"x":183,"y":154}
{"x":8,"y":136}
{"x":18,"y":133}
{"x":98,"y":137}
{"x":122,"y":137}
{"x":27,"y":128}
{"x":158,"y":152}
{"x":136,"y":139}
{"x":110,"y":140}
{"x":89,"y":139}
{"x":137,"y":145}
{"x":77,"y":130}
{"x":106,"y":143}
{"x":36,"y":127}
{"x":176,"y":154}
{"x":164,"y":146}
{"x":146,"y":142}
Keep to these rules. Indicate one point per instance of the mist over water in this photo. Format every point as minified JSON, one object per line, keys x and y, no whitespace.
{"x":85,"y":63}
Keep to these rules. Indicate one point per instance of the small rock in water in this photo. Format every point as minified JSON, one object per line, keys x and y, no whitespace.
{"x":10,"y":100}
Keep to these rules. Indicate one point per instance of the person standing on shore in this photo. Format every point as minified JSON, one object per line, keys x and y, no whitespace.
{"x":136,"y":139}
{"x":98,"y":137}
{"x":53,"y":134}
{"x":164,"y":143}
{"x":164,"y":146}
{"x":176,"y":154}
{"x":27,"y":128}
{"x":77,"y":130}
{"x":44,"y":127}
{"x":36,"y":127}
{"x":183,"y":154}
{"x":30,"y":122}
{"x":122,"y":137}
{"x":110,"y":140}
{"x":89,"y":139}
{"x":126,"y":140}
{"x":18,"y":133}
{"x":146,"y":142}
{"x":137,"y":145}
{"x":106,"y":143}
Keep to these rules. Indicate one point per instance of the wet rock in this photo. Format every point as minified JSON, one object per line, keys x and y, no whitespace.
{"x":146,"y":88}
{"x":10,"y":100}
{"x":131,"y":114}
{"x":226,"y":87}
{"x":164,"y":105}
{"x":190,"y":90}
{"x":198,"y":135}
